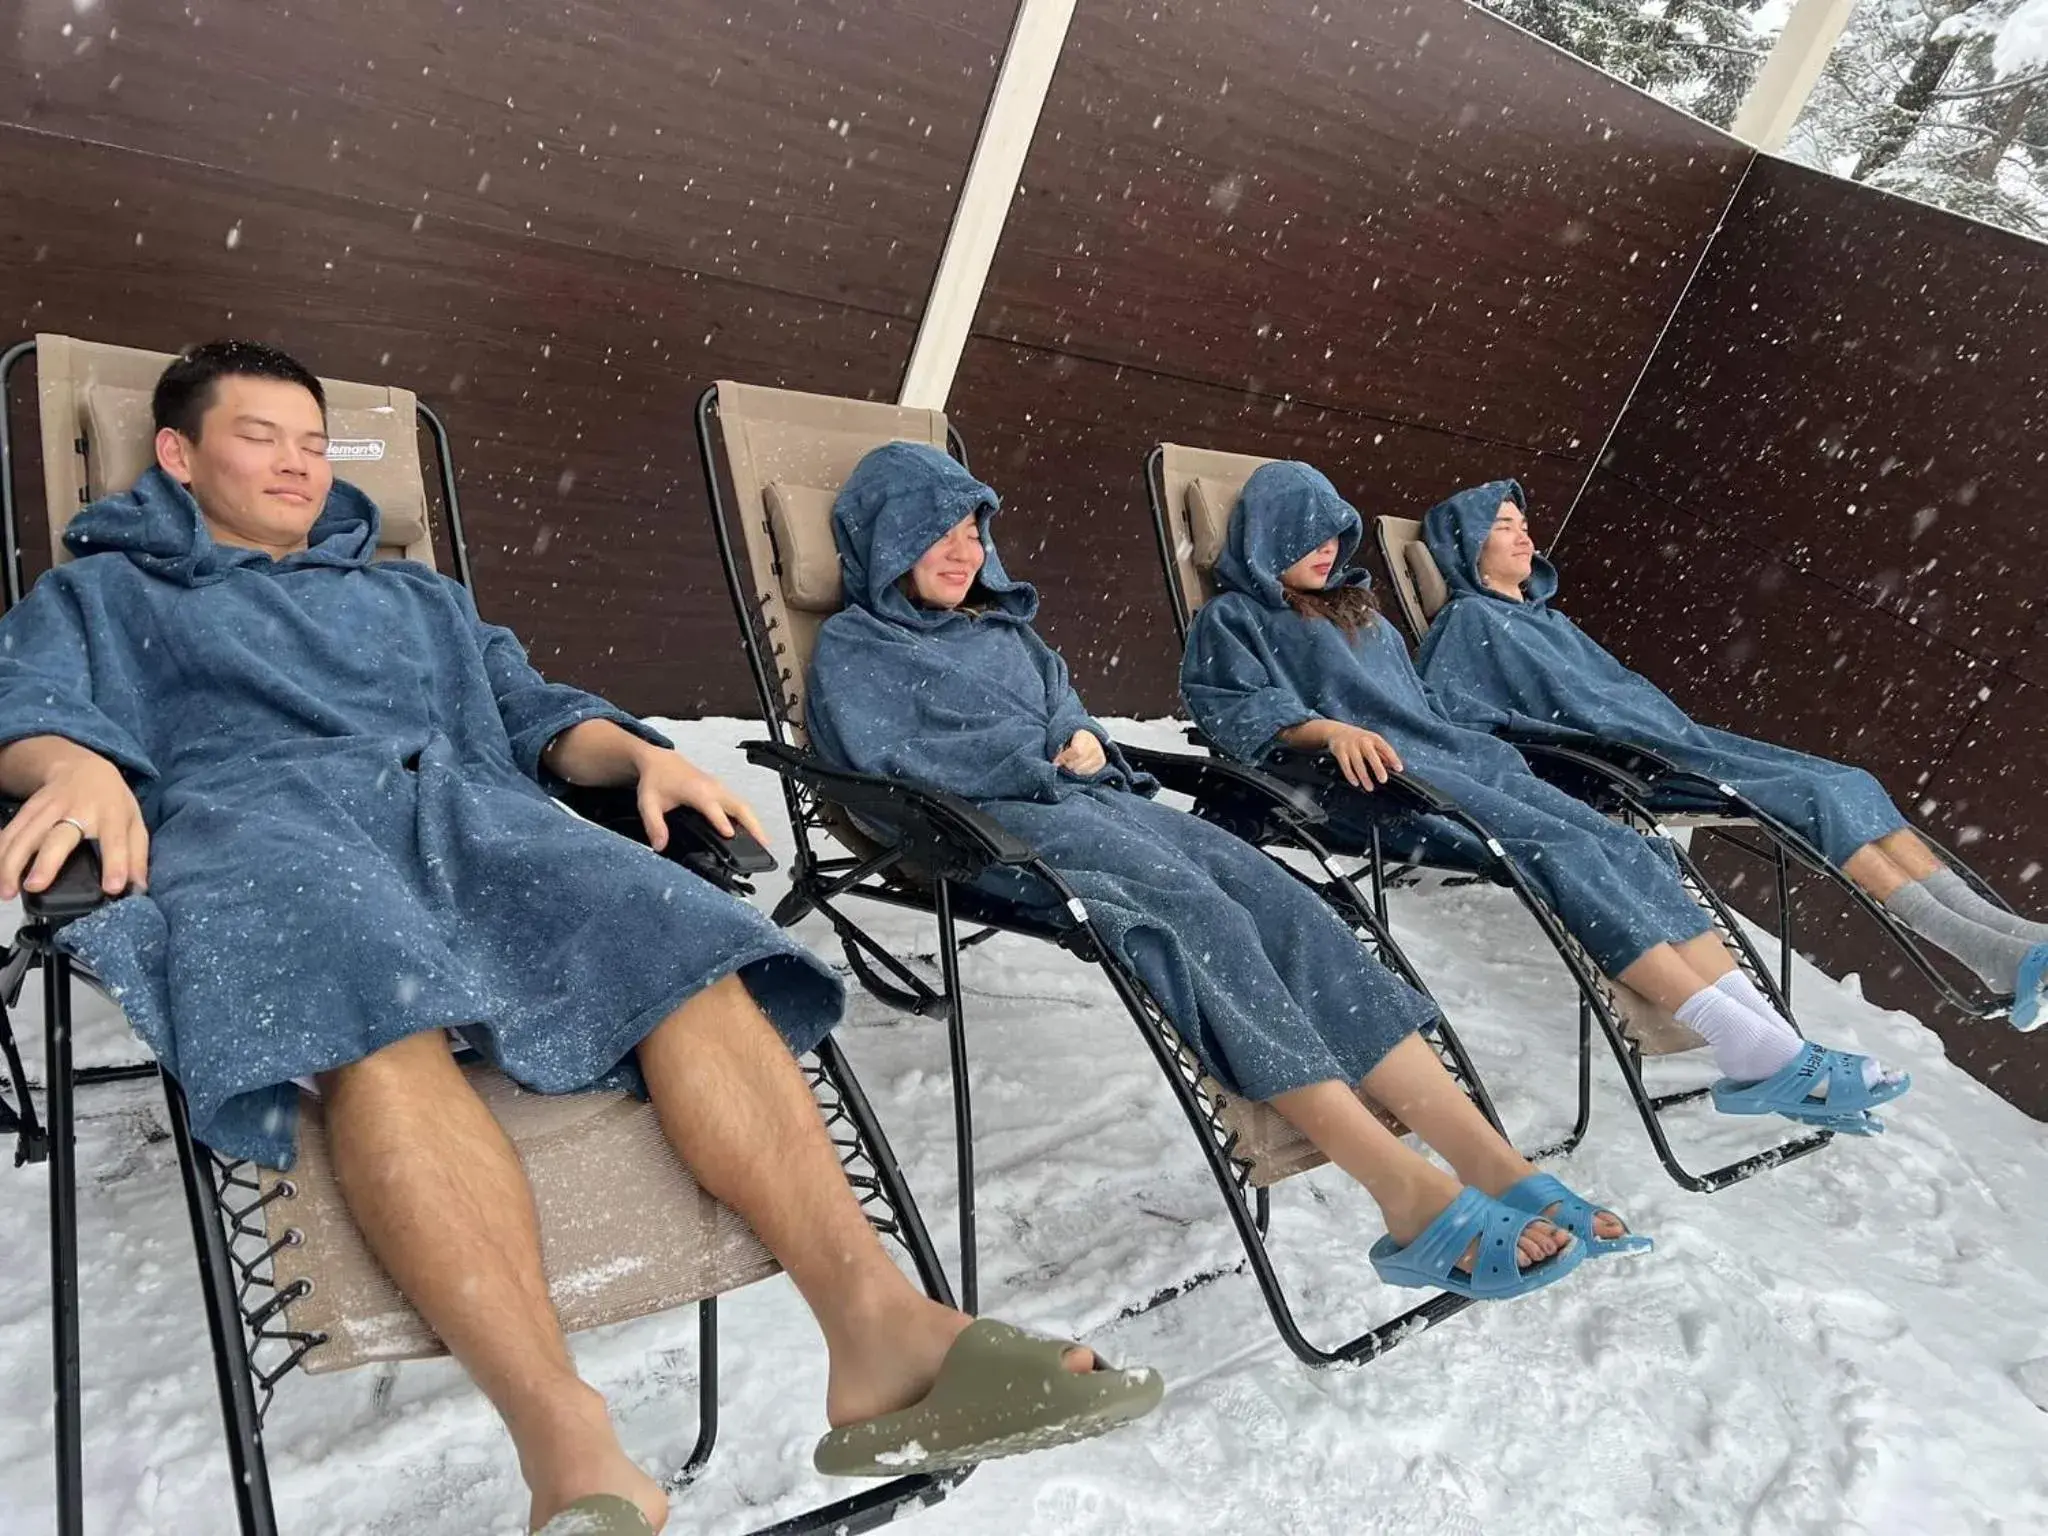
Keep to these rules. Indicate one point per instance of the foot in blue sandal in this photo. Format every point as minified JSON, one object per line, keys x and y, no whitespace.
{"x":1818,"y":1086}
{"x":1545,"y":1195}
{"x":2030,"y":991}
{"x":1436,"y":1259}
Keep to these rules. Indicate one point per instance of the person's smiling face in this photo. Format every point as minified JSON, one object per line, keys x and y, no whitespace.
{"x":258,"y":468}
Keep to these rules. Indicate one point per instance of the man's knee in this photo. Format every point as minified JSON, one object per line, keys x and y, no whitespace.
{"x":415,"y":1063}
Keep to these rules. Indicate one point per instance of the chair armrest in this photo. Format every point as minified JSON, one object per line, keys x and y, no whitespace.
{"x":76,"y":890}
{"x":692,"y":842}
{"x":934,"y":829}
{"x":1217,"y":779}
{"x":1582,"y":774}
{"x":1403,"y":791}
{"x":1643,"y":762}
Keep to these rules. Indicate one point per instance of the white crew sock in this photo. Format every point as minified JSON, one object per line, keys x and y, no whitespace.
{"x":1748,"y":1045}
{"x":1737,"y":985}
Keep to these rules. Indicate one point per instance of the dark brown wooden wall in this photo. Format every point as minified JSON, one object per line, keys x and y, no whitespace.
{"x":1407,"y":242}
{"x":1821,"y":521}
{"x":555,"y":221}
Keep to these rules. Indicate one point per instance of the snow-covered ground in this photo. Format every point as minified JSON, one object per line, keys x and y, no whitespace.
{"x":1834,"y":1347}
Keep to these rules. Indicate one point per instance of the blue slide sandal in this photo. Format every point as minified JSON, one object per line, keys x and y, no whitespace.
{"x":1432,"y":1259}
{"x":2027,"y":1013}
{"x":1789,"y":1092}
{"x":1545,"y":1195}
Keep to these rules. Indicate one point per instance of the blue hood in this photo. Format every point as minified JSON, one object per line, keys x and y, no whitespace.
{"x":899,"y":501}
{"x":1455,"y":529}
{"x":158,"y":526}
{"x":1284,"y":511}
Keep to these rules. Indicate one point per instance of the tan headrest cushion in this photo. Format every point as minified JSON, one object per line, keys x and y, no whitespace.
{"x":1429,"y":581}
{"x":370,"y":448}
{"x":1210,"y":503}
{"x":800,"y":521}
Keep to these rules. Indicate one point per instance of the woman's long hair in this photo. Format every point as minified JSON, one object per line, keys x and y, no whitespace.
{"x":1349,"y":608}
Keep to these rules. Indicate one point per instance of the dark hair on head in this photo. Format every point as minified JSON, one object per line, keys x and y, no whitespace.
{"x":1349,"y":608}
{"x":185,"y":391}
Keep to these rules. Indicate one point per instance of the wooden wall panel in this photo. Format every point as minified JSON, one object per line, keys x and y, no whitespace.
{"x":1818,"y":523}
{"x":1744,"y":640}
{"x":1413,"y":212}
{"x":815,"y":147}
{"x":1860,"y":384}
{"x":566,"y":378}
{"x":1063,"y":439}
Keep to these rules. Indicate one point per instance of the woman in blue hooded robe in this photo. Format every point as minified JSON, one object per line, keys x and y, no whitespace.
{"x":1291,"y":653}
{"x":933,"y":675}
{"x":1500,"y":656}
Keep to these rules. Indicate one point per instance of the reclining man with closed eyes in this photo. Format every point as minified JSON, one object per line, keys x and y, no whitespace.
{"x":319,"y":781}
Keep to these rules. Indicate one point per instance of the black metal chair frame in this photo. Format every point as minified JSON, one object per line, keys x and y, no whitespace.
{"x":255,"y":1348}
{"x":1406,"y":794}
{"x":1642,"y":786}
{"x":937,"y":845}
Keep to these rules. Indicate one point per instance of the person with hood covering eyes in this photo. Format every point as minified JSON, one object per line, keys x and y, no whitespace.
{"x":1292,"y":654}
{"x":1500,"y":656}
{"x":318,"y":786}
{"x":933,"y":675}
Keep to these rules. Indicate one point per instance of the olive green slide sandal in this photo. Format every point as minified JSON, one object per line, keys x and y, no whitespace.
{"x":1000,"y":1392}
{"x":599,"y":1514}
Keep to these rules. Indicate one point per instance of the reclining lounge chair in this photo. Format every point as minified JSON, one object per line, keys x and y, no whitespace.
{"x":1646,"y":789}
{"x":287,"y":1281}
{"x":773,"y":463}
{"x":1192,"y":492}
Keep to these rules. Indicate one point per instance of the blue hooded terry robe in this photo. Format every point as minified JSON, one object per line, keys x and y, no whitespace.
{"x":339,"y":765}
{"x":1493,"y":661}
{"x":1254,"y":667}
{"x":1267,"y":987}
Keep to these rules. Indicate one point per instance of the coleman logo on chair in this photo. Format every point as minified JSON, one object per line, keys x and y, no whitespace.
{"x":355,"y":450}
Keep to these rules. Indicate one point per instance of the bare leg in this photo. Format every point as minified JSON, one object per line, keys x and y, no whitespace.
{"x":439,"y":1194}
{"x":1873,"y":868}
{"x":1411,"y":1084}
{"x":739,"y":1113}
{"x":1668,"y":974}
{"x":1410,"y":1188}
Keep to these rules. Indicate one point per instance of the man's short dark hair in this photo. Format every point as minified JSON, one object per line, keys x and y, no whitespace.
{"x":185,"y":392}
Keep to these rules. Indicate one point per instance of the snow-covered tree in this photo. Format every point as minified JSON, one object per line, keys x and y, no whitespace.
{"x":1943,"y":100}
{"x":1697,"y":54}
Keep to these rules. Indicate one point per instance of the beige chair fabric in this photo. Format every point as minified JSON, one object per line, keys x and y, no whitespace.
{"x":1397,"y":537}
{"x":801,"y":447}
{"x":625,"y":1229}
{"x":97,"y":438}
{"x":1200,"y":488}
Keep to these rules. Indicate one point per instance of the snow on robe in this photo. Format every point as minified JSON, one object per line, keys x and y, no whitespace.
{"x":1260,"y":978}
{"x":1496,"y":660}
{"x":1255,"y":667}
{"x":339,"y":765}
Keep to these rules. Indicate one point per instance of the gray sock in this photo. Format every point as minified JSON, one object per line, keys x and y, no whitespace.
{"x":1992,"y":955}
{"x":1956,"y":893}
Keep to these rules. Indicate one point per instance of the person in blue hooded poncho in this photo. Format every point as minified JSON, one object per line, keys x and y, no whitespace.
{"x":932,"y":674}
{"x":1292,"y":653}
{"x":319,"y":783}
{"x":1501,"y":656}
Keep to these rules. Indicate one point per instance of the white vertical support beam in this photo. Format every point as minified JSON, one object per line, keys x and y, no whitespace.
{"x":1028,"y":63}
{"x":1789,"y":75}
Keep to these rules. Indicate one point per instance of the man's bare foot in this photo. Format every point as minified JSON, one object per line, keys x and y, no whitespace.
{"x":888,"y":1358}
{"x":572,"y":1451}
{"x":1538,"y":1241}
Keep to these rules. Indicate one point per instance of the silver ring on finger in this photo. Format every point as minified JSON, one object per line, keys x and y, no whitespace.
{"x":73,"y":821}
